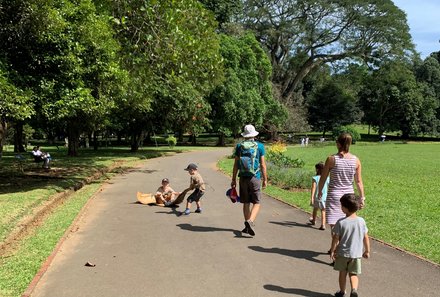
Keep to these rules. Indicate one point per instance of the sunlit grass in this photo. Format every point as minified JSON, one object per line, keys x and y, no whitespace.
{"x":401,"y":184}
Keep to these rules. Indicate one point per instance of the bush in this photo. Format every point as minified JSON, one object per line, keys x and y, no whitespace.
{"x":281,"y":160}
{"x":171,"y":140}
{"x":277,"y":147}
{"x":347,"y":129}
{"x":289,"y":178}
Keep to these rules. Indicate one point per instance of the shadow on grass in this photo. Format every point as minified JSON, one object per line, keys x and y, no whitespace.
{"x":299,"y":254}
{"x":295,"y":291}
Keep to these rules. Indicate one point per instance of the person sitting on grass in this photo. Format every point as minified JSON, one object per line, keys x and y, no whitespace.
{"x":41,"y":156}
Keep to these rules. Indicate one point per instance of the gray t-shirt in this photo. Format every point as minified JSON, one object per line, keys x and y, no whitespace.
{"x":351,"y":232}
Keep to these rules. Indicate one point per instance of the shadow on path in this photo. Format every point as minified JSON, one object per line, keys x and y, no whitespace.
{"x":291,"y":224}
{"x":299,"y":254}
{"x":190,"y":227}
{"x":296,"y":291}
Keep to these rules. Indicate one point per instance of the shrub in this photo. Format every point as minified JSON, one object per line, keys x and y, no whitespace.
{"x":171,"y":140}
{"x":289,"y":178}
{"x":347,"y":129}
{"x":281,"y":160}
{"x":277,"y":147}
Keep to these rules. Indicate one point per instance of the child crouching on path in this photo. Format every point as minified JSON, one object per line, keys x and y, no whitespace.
{"x":350,"y":235}
{"x":197,"y":184}
{"x":315,"y":201}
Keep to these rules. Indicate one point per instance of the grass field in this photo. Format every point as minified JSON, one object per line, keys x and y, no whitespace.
{"x":401,"y":184}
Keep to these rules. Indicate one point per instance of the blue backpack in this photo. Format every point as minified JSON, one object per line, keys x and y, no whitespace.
{"x":248,"y":163}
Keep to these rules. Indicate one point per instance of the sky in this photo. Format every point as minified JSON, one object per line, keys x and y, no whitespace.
{"x":423,"y":18}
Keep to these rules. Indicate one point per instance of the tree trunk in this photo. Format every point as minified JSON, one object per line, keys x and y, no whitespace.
{"x":18,"y":138}
{"x":136,"y":140}
{"x":3,"y":130}
{"x":73,"y":135}
{"x":95,"y":141}
{"x":221,"y":140}
{"x":180,"y":136}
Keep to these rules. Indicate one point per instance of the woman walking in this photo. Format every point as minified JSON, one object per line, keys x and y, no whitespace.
{"x":343,"y":168}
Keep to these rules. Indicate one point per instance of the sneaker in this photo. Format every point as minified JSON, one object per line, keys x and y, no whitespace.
{"x":249,"y":228}
{"x":339,"y":294}
{"x":186,"y":212}
{"x":167,"y":203}
{"x":322,"y":228}
{"x":354,"y":293}
{"x":198,"y":210}
{"x":312,"y":221}
{"x":245,"y":230}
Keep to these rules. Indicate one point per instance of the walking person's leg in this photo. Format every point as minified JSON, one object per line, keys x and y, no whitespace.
{"x":188,"y":206}
{"x":312,"y":220}
{"x":322,"y":219}
{"x":354,"y":282}
{"x":342,"y":281}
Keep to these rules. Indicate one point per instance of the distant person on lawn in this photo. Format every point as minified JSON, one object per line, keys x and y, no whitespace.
{"x":349,"y":244}
{"x":250,"y":165}
{"x":41,"y":156}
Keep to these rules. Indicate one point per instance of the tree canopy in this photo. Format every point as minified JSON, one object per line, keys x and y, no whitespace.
{"x":301,"y":35}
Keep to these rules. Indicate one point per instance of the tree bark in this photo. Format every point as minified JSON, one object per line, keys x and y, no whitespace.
{"x":3,"y":130}
{"x":18,"y":138}
{"x":74,"y":134}
{"x":95,"y":141}
{"x":221,"y":139}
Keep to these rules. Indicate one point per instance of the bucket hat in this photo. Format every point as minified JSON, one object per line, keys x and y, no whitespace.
{"x":249,"y":131}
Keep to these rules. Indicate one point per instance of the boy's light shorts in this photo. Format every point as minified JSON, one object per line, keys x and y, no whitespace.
{"x":351,"y":265}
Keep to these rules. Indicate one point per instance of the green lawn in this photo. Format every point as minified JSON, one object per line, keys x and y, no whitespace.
{"x":401,"y":184}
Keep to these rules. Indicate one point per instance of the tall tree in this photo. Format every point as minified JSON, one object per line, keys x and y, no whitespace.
{"x":15,"y":105}
{"x":223,"y":10}
{"x":302,"y":35}
{"x":332,"y":106}
{"x":171,"y":51}
{"x":246,"y":94}
{"x":428,"y":74}
{"x":64,"y":52}
{"x":393,"y":100}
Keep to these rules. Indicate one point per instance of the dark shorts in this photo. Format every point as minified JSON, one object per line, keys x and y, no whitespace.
{"x":250,"y":190}
{"x":195,"y":196}
{"x":351,"y":265}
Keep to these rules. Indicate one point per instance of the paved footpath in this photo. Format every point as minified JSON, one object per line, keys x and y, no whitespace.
{"x":142,"y":250}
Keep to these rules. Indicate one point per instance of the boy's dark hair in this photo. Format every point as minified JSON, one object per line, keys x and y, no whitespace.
{"x":350,"y":202}
{"x":319,"y":167}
